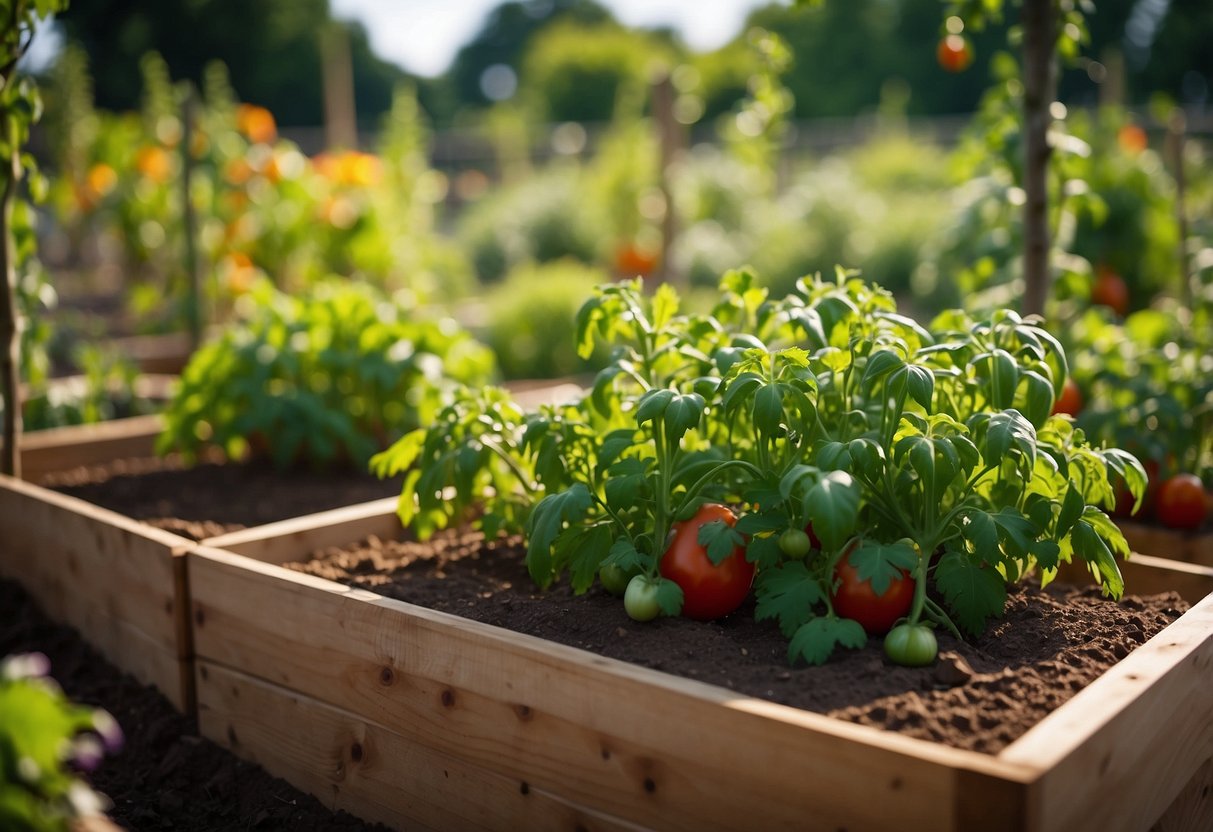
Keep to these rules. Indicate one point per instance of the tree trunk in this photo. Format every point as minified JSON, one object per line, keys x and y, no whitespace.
{"x":1040,"y":84}
{"x":10,"y":320}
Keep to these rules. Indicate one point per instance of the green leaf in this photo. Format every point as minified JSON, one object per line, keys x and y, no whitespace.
{"x":816,"y":640}
{"x":974,"y":592}
{"x":669,"y":597}
{"x":739,"y":389}
{"x":867,"y":457}
{"x":1015,"y":531}
{"x":719,"y":540}
{"x":547,"y":521}
{"x":882,"y":563}
{"x":768,"y":409}
{"x":625,"y":482}
{"x":614,"y":444}
{"x":763,"y":551}
{"x":682,"y":413}
{"x":623,"y":554}
{"x":653,"y":404}
{"x":1071,"y":509}
{"x":981,"y":531}
{"x":1038,"y":403}
{"x":587,"y":549}
{"x":788,"y":594}
{"x":833,"y":507}
{"x":921,"y":384}
{"x":879,"y":365}
{"x":1089,"y":546}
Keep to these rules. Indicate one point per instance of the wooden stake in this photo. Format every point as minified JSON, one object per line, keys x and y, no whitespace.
{"x":10,"y":317}
{"x":193,"y":309}
{"x":1040,"y":83}
{"x":670,"y":136}
{"x":1177,"y":134}
{"x":340,"y":127}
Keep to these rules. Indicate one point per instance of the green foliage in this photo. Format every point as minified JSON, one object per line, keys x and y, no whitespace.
{"x":825,"y":407}
{"x":44,"y":740}
{"x":327,"y":378}
{"x":105,"y":390}
{"x":530,"y":319}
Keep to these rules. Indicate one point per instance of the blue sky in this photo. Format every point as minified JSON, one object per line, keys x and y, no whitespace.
{"x":423,"y":35}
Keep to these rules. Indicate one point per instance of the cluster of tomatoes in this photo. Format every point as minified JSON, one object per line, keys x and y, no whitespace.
{"x":711,"y":591}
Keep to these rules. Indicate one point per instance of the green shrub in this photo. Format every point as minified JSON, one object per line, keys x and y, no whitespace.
{"x":531,"y":319}
{"x":331,"y":377}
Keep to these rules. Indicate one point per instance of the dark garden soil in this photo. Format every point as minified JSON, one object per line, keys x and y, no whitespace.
{"x":981,"y":696}
{"x":213,"y":498}
{"x":166,"y":777}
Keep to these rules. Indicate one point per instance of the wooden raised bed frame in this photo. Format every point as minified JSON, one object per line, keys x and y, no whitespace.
{"x":419,"y":718}
{"x":1193,"y":547}
{"x":119,"y":582}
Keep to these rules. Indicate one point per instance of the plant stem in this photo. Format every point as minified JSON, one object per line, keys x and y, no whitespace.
{"x":1039,"y":39}
{"x":10,"y":315}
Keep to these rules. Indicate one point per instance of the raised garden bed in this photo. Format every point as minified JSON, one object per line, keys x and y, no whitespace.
{"x":1190,"y":546}
{"x":413,"y":709}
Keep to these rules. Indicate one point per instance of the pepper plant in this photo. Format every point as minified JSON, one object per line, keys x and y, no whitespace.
{"x":926,"y":454}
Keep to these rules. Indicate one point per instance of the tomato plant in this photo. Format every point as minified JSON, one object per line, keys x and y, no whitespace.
{"x":714,"y":579}
{"x":825,"y":409}
{"x":859,"y":600}
{"x":1181,"y":502}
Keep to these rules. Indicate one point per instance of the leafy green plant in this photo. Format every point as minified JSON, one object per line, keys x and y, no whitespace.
{"x":331,"y":377}
{"x":929,"y":452}
{"x":44,"y":740}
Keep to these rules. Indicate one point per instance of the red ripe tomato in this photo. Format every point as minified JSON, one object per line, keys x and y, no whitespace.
{"x":1070,"y":400}
{"x":954,"y":53}
{"x":1181,"y":502}
{"x":1110,"y":290}
{"x":855,"y":599}
{"x":708,"y":591}
{"x":633,"y":261}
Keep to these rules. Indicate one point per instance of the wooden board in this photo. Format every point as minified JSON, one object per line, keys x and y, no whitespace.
{"x":296,"y":538}
{"x":120,"y":583}
{"x":649,"y":748}
{"x":1193,"y":547}
{"x":61,"y":449}
{"x":1118,"y":754}
{"x":1146,"y":575}
{"x":368,"y":770}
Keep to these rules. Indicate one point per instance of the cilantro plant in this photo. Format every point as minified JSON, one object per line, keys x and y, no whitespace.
{"x":919,"y":453}
{"x":44,"y":740}
{"x":330,"y":377}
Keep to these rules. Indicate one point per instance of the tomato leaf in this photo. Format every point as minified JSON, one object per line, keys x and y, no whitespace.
{"x":653,"y":404}
{"x":546,"y":523}
{"x":1015,"y":531}
{"x":669,"y":597}
{"x":981,"y":531}
{"x":1071,"y":509}
{"x":973,"y":591}
{"x":768,"y":409}
{"x":625,"y":482}
{"x":1089,"y":546}
{"x":833,"y":507}
{"x":921,"y":384}
{"x":816,"y":640}
{"x":583,"y":554}
{"x":882,"y":563}
{"x":719,"y":540}
{"x":623,"y":554}
{"x":787,"y":594}
{"x":879,"y":365}
{"x":682,"y":413}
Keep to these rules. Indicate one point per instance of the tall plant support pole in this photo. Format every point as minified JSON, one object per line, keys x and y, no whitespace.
{"x":1040,"y":87}
{"x":340,"y":125}
{"x":10,"y":315}
{"x":190,"y":221}
{"x":670,"y":139}
{"x":1177,"y":128}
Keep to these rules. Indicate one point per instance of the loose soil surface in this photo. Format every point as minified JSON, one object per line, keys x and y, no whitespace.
{"x":166,"y":777}
{"x":213,"y":498}
{"x":981,"y":695}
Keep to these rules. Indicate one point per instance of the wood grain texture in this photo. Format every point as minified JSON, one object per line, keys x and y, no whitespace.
{"x":115,"y":580}
{"x":295,"y":539}
{"x":368,"y":770}
{"x":651,"y":748}
{"x":1193,"y":547}
{"x":1146,"y":575}
{"x":60,"y":449}
{"x":1117,"y":754}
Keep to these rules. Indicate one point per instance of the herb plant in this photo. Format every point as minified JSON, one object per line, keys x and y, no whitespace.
{"x":331,"y":377}
{"x":825,"y":418}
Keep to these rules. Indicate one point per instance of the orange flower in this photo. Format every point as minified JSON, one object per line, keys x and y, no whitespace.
{"x":154,"y":163}
{"x":339,"y":212}
{"x":350,"y":168}
{"x":1132,"y":139}
{"x":237,"y":171}
{"x":257,"y":123}
{"x":239,"y":270}
{"x":100,"y":180}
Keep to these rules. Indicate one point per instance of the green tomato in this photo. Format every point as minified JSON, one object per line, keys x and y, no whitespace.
{"x":614,"y":579}
{"x":795,"y":543}
{"x":911,"y":645}
{"x":640,"y":598}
